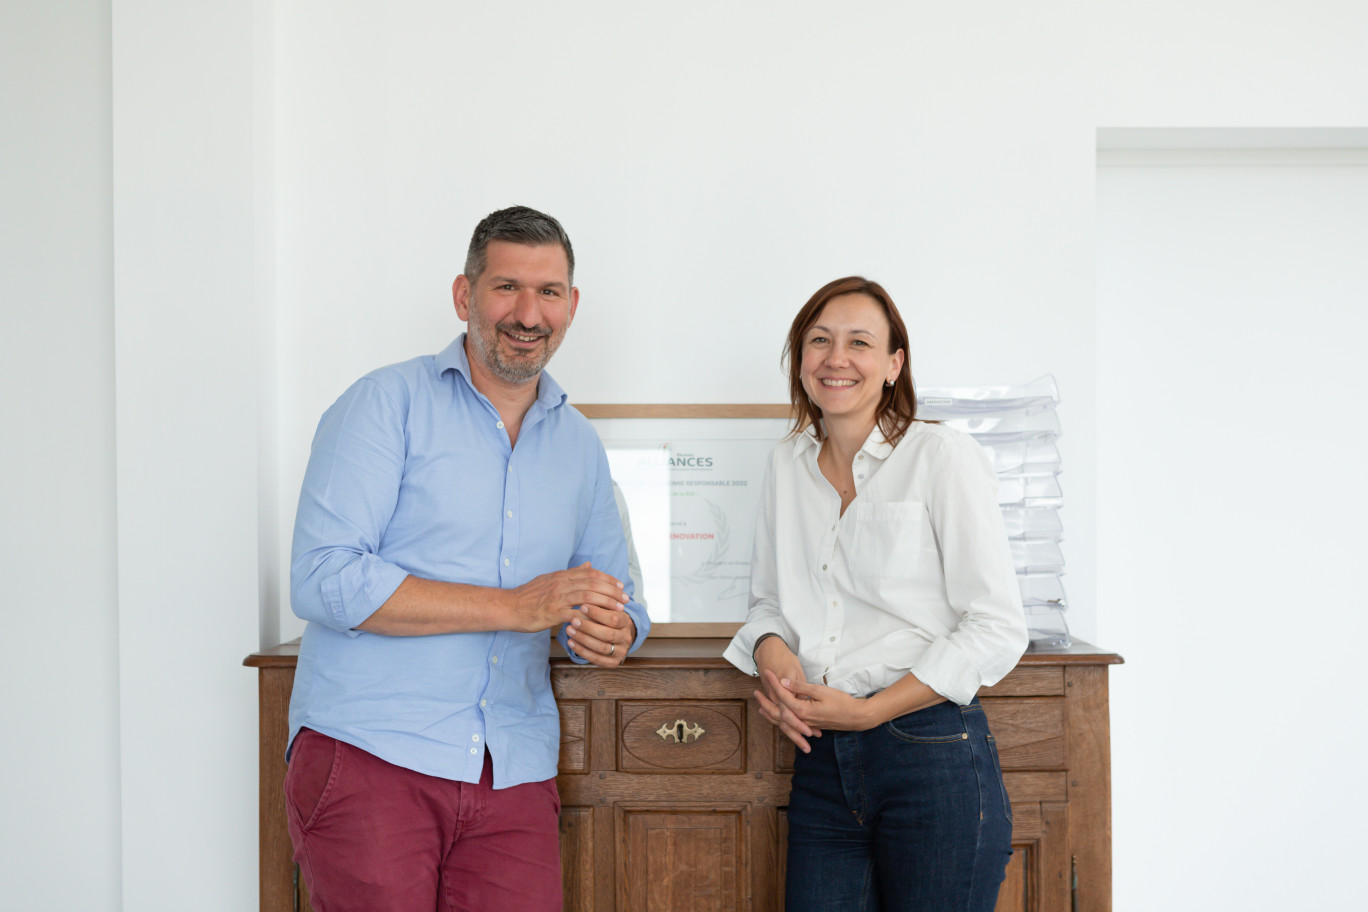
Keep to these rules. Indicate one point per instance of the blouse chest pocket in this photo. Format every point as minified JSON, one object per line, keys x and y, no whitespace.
{"x":887,"y":539}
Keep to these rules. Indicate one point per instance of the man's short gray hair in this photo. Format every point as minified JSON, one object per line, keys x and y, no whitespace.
{"x":520,"y":225}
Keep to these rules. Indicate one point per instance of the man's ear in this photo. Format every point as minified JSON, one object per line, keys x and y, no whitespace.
{"x":574,"y":304}
{"x":460,"y":296}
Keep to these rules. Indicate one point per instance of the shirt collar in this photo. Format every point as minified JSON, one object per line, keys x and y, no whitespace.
{"x":876,"y":445}
{"x":453,"y":357}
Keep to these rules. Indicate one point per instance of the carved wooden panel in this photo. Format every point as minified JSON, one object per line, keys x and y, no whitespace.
{"x":1029,"y":681}
{"x":784,"y":751}
{"x":677,"y":859}
{"x":1038,"y":874}
{"x":577,"y":858}
{"x":574,"y":736}
{"x":1029,"y":731}
{"x":681,"y":736}
{"x":783,"y":856}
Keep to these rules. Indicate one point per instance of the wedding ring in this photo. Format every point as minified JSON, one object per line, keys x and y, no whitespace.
{"x":612,"y":648}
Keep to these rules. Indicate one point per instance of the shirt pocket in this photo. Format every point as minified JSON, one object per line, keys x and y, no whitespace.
{"x":887,"y":540}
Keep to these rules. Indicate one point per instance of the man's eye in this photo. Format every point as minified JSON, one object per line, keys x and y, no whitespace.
{"x":549,"y":292}
{"x":507,"y":286}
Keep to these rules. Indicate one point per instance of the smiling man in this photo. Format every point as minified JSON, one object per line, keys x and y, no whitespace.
{"x":454,"y":510}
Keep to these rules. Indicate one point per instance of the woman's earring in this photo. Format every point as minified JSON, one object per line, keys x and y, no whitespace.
{"x":888,"y":384}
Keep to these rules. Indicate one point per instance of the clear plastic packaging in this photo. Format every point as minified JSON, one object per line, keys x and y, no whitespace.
{"x":1029,"y":491}
{"x":1033,"y":523}
{"x":1037,"y":557}
{"x":994,"y":428}
{"x":1042,"y":590}
{"x":1047,"y":628}
{"x":955,"y":402}
{"x":1030,"y":456}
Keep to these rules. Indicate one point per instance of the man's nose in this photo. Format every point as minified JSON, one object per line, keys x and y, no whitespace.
{"x":527,"y":309}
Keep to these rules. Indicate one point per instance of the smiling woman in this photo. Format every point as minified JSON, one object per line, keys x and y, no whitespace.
{"x":882,"y":598}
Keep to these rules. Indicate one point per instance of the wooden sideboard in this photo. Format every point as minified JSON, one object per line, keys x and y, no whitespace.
{"x":674,"y":788}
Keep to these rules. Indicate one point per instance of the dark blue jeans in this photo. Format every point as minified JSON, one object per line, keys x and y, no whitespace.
{"x":911,"y":816}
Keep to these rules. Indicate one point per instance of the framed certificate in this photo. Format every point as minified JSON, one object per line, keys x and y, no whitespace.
{"x":691,"y":476}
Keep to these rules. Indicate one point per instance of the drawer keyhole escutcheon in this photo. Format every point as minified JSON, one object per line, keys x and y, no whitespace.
{"x":680,"y":731}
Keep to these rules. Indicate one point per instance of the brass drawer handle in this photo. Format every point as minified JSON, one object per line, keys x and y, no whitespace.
{"x":680,"y":731}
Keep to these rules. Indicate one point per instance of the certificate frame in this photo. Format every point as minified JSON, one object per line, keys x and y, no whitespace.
{"x":677,"y":417}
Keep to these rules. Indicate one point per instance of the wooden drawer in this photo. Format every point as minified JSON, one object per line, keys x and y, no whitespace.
{"x":1030,"y":731}
{"x":681,"y":736}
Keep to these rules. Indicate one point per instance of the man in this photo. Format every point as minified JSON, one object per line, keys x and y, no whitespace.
{"x":454,"y":510}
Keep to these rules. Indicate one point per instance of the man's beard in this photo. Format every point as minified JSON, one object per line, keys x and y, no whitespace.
{"x":512,"y":366}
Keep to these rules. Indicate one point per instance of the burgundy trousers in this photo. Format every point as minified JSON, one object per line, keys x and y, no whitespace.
{"x":372,"y":836}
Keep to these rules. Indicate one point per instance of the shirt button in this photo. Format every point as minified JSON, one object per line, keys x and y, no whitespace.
{"x":823,"y":566}
{"x":505,"y":562}
{"x":835,"y":604}
{"x":831,"y":639}
{"x":510,"y":514}
{"x":859,"y":476}
{"x":494,"y":660}
{"x":474,"y":737}
{"x":499,"y":425}
{"x":861,"y":456}
{"x":474,"y":750}
{"x":482,"y":703}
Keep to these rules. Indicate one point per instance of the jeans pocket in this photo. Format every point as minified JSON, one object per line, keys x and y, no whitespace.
{"x":315,"y":763}
{"x":941,"y":723}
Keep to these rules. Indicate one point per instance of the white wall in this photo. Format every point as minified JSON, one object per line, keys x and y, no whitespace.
{"x":59,"y":715}
{"x":292,"y":187}
{"x":189,"y":346}
{"x":715,"y":164}
{"x":1231,"y":316}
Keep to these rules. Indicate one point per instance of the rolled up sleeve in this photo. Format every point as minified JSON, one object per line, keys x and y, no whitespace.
{"x":351,"y":486}
{"x":979,"y":578}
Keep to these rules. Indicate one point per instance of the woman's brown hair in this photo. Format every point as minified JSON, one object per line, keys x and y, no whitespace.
{"x":897,"y":406}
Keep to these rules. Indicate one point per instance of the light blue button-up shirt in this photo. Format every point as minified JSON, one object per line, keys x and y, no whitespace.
{"x":412,"y":473}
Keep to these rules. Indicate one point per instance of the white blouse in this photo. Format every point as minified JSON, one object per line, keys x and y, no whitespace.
{"x":915,"y":577}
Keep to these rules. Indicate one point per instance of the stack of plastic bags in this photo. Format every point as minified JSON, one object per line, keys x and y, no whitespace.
{"x":1018,"y":427}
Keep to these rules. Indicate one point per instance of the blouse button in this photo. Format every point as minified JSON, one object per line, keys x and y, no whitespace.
{"x":499,"y":425}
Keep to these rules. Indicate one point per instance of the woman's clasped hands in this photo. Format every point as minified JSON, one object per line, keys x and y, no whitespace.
{"x":801,"y":710}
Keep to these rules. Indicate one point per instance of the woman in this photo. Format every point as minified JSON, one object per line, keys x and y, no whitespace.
{"x":882,"y":599}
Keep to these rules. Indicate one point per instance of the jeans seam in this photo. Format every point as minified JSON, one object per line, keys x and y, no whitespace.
{"x":978,"y":832}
